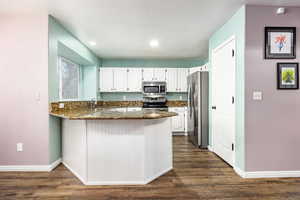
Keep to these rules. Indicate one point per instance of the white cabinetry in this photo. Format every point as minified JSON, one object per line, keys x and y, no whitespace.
{"x":113,"y":79}
{"x":177,"y":79}
{"x":106,"y":79}
{"x":120,"y":79}
{"x":148,"y":74}
{"x":178,"y":122}
{"x":154,"y":74}
{"x":171,"y":78}
{"x":159,"y":74}
{"x":182,"y":74}
{"x":134,"y":79}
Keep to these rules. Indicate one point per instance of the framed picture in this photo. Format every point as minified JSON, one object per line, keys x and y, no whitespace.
{"x":280,"y":42}
{"x":287,"y":76}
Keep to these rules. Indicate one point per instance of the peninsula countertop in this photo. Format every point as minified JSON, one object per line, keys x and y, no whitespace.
{"x":112,"y":113}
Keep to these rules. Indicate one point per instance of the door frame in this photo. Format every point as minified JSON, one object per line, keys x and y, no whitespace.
{"x":230,"y":39}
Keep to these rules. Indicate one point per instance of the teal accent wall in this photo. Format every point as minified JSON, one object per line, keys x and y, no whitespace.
{"x":135,"y":96}
{"x":153,"y":62}
{"x":63,"y":43}
{"x":234,"y":26}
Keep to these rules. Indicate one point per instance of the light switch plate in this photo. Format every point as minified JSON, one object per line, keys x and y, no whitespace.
{"x":61,"y":105}
{"x":19,"y":147}
{"x":38,"y":96}
{"x":257,"y":95}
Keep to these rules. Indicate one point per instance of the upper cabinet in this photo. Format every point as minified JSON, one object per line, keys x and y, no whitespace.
{"x":159,"y":74}
{"x":154,"y":74}
{"x":106,"y":77}
{"x":148,"y":74}
{"x":130,"y":79}
{"x":177,"y":79}
{"x":113,"y":79}
{"x":182,"y":74}
{"x":134,"y":79}
{"x":120,"y":79}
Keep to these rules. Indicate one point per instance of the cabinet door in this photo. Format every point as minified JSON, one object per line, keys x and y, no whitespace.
{"x":106,"y":77}
{"x":178,"y":122}
{"x":148,"y":74}
{"x":159,"y":74}
{"x":120,"y":79}
{"x":171,"y":78}
{"x":182,"y":74}
{"x":134,"y":79}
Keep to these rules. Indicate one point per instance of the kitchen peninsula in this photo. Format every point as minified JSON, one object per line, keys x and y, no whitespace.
{"x":114,"y":144}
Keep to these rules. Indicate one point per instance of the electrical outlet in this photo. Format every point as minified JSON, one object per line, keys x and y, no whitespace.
{"x":180,"y":97}
{"x":19,"y":147}
{"x":124,"y":97}
{"x":61,"y":105}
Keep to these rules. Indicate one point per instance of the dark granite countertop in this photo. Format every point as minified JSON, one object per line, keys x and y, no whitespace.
{"x":111,"y":113}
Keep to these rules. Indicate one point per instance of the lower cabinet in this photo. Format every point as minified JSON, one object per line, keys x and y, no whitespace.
{"x":179,"y":121}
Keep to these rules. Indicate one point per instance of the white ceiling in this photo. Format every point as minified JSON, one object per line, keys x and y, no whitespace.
{"x":123,"y":28}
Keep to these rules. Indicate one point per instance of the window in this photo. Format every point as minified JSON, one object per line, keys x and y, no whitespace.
{"x":69,"y":73}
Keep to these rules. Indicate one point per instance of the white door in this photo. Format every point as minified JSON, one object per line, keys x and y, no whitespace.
{"x":223,"y":100}
{"x":159,"y":74}
{"x":148,"y":74}
{"x":171,"y":78}
{"x":134,"y":79}
{"x":106,"y":79}
{"x":182,"y":75}
{"x":120,"y":80}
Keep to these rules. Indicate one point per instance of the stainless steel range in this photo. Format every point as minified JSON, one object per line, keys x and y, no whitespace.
{"x":154,"y":94}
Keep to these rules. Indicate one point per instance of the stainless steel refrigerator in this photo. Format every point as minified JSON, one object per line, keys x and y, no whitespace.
{"x":197,"y":119}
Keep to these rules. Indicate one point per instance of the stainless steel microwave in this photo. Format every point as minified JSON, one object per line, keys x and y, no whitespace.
{"x":154,"y":88}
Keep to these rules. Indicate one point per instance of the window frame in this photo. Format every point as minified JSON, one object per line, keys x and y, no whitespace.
{"x":60,"y":92}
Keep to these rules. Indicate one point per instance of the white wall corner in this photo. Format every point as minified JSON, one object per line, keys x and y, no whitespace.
{"x":240,"y":172}
{"x":210,"y":148}
{"x":30,"y":168}
{"x":53,"y":165}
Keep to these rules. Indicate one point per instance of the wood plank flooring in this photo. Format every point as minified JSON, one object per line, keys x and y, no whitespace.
{"x":197,"y":174}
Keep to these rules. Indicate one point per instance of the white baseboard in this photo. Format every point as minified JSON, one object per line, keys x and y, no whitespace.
{"x":267,"y":174}
{"x":115,"y":183}
{"x":75,"y":173}
{"x":148,"y":180}
{"x":30,"y":168}
{"x":210,"y":148}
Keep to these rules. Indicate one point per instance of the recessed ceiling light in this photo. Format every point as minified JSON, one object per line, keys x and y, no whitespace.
{"x":154,"y":43}
{"x":92,"y":43}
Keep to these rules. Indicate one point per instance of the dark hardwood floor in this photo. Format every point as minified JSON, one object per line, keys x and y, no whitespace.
{"x":197,"y":174}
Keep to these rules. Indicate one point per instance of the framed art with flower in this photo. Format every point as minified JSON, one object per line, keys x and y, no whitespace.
{"x":287,"y":76}
{"x":280,"y":42}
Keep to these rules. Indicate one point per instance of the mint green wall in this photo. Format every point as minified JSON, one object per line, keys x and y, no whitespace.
{"x":235,"y":26}
{"x":118,"y":96}
{"x":152,"y":62}
{"x":63,"y":43}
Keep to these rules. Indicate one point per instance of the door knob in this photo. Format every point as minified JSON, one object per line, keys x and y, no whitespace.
{"x":214,"y":107}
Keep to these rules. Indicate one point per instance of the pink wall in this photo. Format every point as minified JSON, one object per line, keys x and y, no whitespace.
{"x":24,"y":73}
{"x":271,"y":126}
